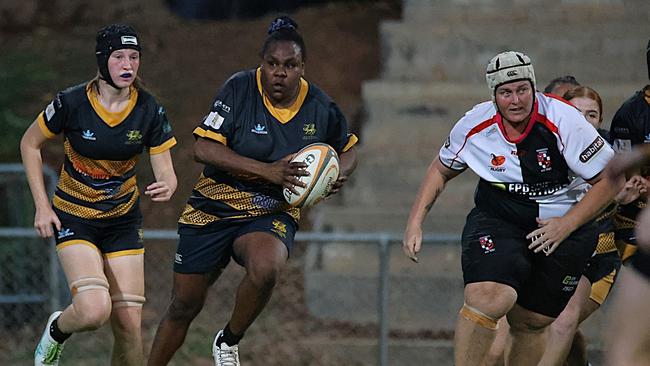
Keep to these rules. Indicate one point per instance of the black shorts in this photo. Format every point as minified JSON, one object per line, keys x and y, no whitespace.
{"x":497,"y":250}
{"x":111,"y":237}
{"x":202,"y":250}
{"x":602,"y":270}
{"x":641,"y":262}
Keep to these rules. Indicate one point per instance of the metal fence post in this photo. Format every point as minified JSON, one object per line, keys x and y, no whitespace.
{"x":384,"y":254}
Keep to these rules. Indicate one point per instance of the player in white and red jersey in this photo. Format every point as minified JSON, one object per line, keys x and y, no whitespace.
{"x":523,"y":145}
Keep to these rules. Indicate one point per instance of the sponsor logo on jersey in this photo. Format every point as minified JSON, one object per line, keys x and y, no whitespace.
{"x":570,"y":283}
{"x":259,"y":129}
{"x":621,"y":130}
{"x":266,"y":202}
{"x":533,"y":189}
{"x":280,"y":228}
{"x":133,"y":137}
{"x":224,"y":107}
{"x":88,"y":135}
{"x":497,"y":161}
{"x":166,"y":127}
{"x":490,"y":131}
{"x":310,"y":131}
{"x":487,"y":244}
{"x":64,"y":233}
{"x":592,"y":149}
{"x":129,"y":40}
{"x":214,"y":120}
{"x":622,"y":145}
{"x":543,"y":160}
{"x":49,"y":111}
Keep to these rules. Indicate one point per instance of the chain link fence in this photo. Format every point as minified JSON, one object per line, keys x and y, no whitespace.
{"x":342,"y":299}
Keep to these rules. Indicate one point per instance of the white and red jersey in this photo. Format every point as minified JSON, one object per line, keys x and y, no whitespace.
{"x":528,"y":177}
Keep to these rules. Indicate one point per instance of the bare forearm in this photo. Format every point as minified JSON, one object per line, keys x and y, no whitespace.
{"x":348,"y":162}
{"x":33,"y":164}
{"x":222,"y":157}
{"x":599,"y":196}
{"x":432,"y":186}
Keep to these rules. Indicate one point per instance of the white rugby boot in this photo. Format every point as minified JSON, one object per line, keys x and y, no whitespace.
{"x":223,"y":354}
{"x":48,"y":350}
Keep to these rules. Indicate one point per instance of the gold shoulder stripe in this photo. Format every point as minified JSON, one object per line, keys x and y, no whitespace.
{"x":163,"y":147}
{"x":41,"y":123}
{"x":351,"y":142}
{"x":210,"y":135}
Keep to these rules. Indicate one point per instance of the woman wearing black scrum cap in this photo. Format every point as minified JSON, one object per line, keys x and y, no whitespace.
{"x":95,"y":216}
{"x":258,"y":120}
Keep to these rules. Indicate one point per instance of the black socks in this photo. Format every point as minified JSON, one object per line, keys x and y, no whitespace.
{"x":56,"y":333}
{"x":228,"y":337}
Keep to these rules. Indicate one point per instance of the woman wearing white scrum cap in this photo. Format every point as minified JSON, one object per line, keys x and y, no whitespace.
{"x":526,"y":241}
{"x":95,"y":216}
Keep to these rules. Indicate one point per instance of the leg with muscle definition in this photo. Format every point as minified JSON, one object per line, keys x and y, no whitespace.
{"x":189,"y":292}
{"x":91,"y":302}
{"x":485,"y":303}
{"x":126,"y":277}
{"x":263,"y":256}
{"x":527,"y":338}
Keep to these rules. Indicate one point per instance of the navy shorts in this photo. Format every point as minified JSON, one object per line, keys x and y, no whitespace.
{"x":112,"y":237}
{"x":496,"y":250}
{"x":602,"y":270}
{"x":202,"y":250}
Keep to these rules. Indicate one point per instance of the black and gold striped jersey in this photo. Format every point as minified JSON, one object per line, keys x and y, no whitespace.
{"x":101,"y":148}
{"x":242,"y":118}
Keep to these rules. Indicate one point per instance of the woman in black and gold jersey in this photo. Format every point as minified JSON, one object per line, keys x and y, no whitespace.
{"x":258,"y":120}
{"x":95,"y":215}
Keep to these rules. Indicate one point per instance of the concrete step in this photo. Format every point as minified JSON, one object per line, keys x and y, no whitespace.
{"x":415,"y":105}
{"x":557,"y":12}
{"x":458,"y":51}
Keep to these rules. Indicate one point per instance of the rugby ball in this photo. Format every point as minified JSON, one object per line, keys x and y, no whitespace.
{"x":323,"y":167}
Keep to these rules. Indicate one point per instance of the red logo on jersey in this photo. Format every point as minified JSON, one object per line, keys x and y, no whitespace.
{"x":496,"y":162}
{"x":543,"y":160}
{"x":487,"y":244}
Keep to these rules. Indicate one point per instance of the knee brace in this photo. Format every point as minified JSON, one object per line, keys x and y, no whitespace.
{"x":88,"y":283}
{"x":478,"y":317}
{"x":120,"y":300}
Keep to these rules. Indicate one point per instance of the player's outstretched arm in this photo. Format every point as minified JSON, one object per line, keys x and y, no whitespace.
{"x":431,"y":187}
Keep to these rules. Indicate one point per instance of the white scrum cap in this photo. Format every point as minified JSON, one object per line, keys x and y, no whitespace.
{"x":509,"y":66}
